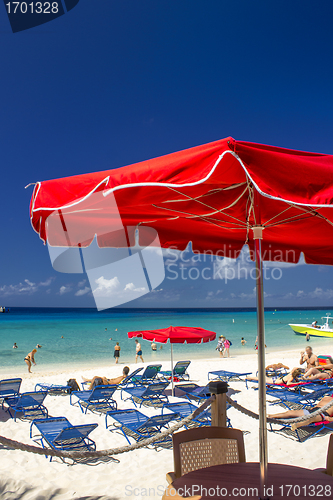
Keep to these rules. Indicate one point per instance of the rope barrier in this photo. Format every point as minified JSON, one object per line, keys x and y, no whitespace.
{"x":153,"y":439}
{"x":295,"y":420}
{"x":113,"y":451}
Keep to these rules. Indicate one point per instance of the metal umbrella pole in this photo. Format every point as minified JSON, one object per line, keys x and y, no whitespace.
{"x":172,"y":385}
{"x":257,"y":236}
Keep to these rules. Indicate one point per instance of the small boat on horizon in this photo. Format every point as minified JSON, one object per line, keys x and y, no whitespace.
{"x":314,"y":329}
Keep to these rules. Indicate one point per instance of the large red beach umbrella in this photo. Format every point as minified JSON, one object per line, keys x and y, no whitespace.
{"x":220,"y":196}
{"x":175,"y":335}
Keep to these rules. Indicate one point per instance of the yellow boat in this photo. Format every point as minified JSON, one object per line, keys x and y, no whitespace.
{"x":314,"y":329}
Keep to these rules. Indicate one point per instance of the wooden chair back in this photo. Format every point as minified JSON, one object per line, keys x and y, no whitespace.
{"x":206,"y":446}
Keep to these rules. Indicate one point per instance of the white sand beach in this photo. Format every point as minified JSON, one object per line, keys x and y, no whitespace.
{"x":141,"y":473}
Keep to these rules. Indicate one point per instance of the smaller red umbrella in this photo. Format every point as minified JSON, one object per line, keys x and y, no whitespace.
{"x":176,"y":335}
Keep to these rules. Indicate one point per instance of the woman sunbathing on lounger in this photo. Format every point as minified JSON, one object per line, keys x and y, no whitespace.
{"x":107,"y":381}
{"x":325,"y":415}
{"x":276,"y":366}
{"x":320,"y":372}
{"x":290,"y":378}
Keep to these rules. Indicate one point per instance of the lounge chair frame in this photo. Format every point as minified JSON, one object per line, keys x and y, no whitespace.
{"x":10,"y":387}
{"x":98,"y":399}
{"x":179,"y":371}
{"x":226,"y":376}
{"x":132,"y":423}
{"x":28,"y":403}
{"x":59,"y":434}
{"x":151,"y":395}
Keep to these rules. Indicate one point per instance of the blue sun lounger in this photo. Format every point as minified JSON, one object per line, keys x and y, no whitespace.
{"x":228,"y":376}
{"x":133,"y":423}
{"x":10,"y":387}
{"x":292,"y":400}
{"x":148,"y":376}
{"x":302,"y":434}
{"x":28,"y":403}
{"x":179,"y":371}
{"x":184,"y":409}
{"x":195,"y":391}
{"x":59,"y":434}
{"x":98,"y":399}
{"x":152,"y":395}
{"x":127,"y":381}
{"x":52,"y":388}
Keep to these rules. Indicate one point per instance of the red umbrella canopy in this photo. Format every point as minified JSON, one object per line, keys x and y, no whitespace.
{"x":212,"y":195}
{"x":176,"y":335}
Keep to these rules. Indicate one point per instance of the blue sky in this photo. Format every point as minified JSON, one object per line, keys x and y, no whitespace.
{"x":115,"y":82}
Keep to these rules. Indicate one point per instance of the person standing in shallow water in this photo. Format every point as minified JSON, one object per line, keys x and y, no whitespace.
{"x":116,"y":354}
{"x":220,"y":345}
{"x":138,"y":351}
{"x":30,"y":358}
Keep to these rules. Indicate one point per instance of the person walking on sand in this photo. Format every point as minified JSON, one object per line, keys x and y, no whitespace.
{"x":220,"y":345}
{"x":138,"y":351}
{"x":227,"y":345}
{"x":116,"y":354}
{"x":30,"y":358}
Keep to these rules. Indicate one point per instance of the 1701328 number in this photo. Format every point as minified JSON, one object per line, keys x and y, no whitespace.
{"x":32,"y":7}
{"x":295,"y":490}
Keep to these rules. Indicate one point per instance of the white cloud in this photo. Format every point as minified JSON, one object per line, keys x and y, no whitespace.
{"x":65,"y":289}
{"x":319,"y":293}
{"x":81,"y":283}
{"x":105,"y":286}
{"x":25,"y":288}
{"x":131,"y":287}
{"x":47,"y":282}
{"x":83,"y":291}
{"x":29,"y":283}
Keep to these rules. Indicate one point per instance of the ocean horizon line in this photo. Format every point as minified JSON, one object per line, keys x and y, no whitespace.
{"x":162,"y":309}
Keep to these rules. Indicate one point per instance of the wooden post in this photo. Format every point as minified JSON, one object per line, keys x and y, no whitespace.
{"x":219,"y":406}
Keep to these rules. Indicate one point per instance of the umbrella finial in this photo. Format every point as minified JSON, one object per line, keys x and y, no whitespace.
{"x":257,"y":232}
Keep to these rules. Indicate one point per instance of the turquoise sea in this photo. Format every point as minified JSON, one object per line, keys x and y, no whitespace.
{"x":86,"y":334}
